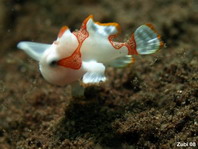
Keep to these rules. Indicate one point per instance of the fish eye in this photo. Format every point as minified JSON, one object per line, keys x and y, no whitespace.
{"x":53,"y":63}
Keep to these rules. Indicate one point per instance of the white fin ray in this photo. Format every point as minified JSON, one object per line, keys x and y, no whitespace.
{"x":94,"y":74}
{"x":122,"y":61}
{"x":147,"y":40}
{"x":102,"y":29}
{"x":33,"y":49}
{"x":93,"y":78}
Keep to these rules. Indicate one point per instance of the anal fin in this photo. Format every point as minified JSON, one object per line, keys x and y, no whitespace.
{"x":122,"y":61}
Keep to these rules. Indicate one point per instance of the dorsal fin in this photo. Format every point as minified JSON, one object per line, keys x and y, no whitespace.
{"x":101,"y":29}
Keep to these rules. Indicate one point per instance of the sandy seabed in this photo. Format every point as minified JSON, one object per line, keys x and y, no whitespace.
{"x":150,"y":104}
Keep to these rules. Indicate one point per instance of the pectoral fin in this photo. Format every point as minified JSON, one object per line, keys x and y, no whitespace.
{"x":94,"y":74}
{"x":33,"y":49}
{"x":93,"y":78}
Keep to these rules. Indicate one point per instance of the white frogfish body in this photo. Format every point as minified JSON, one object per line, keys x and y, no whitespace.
{"x":84,"y":54}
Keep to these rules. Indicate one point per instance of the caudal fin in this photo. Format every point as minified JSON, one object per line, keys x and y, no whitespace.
{"x":147,"y":40}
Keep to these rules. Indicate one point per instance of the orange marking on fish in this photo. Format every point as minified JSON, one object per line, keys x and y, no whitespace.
{"x":75,"y":61}
{"x":62,"y":30}
{"x":131,"y":45}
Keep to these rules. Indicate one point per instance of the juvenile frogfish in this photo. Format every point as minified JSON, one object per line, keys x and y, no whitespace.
{"x":81,"y":57}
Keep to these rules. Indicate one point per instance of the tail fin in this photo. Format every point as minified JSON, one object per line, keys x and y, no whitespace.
{"x":147,"y":39}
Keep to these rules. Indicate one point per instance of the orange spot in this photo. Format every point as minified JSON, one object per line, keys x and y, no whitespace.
{"x":151,"y":27}
{"x":133,"y":60}
{"x":116,"y":45}
{"x":131,"y":45}
{"x":62,"y":30}
{"x":74,"y":61}
{"x":89,"y":17}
